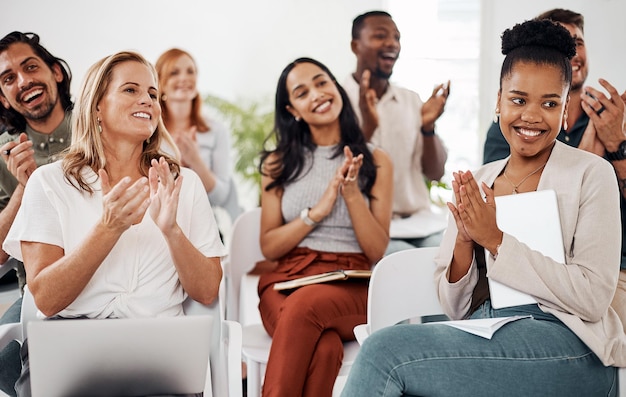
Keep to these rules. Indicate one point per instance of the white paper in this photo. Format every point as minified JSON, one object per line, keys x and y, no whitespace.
{"x":420,"y":224}
{"x":483,"y":327}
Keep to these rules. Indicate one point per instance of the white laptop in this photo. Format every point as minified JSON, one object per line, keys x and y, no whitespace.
{"x":119,"y":357}
{"x":532,"y":218}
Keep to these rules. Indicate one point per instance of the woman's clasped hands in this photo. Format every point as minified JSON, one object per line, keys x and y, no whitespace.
{"x":345,"y":182}
{"x":475,"y":215}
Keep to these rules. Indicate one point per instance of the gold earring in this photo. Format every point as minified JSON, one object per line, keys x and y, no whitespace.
{"x":164,"y":97}
{"x":99,"y":126}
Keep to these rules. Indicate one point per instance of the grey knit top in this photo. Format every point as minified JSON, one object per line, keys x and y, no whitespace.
{"x":335,"y":232}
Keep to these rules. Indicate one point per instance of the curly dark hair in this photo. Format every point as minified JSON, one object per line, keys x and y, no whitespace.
{"x":14,"y":121}
{"x":293,"y":138}
{"x":538,"y":41}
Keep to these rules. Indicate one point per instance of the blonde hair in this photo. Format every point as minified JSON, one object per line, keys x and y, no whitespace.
{"x":87,"y":149}
{"x":164,"y":66}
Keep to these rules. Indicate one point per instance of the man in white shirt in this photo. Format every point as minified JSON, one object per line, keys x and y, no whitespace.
{"x":397,"y":120}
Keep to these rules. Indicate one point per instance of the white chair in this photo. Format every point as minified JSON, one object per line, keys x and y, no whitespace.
{"x":402,"y":287}
{"x":243,"y":300}
{"x":225,"y":355}
{"x":8,"y":266}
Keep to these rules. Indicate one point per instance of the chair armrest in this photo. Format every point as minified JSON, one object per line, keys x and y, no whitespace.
{"x":10,"y":332}
{"x":361,"y":332}
{"x":232,"y":340}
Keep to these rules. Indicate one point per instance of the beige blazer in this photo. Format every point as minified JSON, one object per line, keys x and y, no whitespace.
{"x":579,"y":293}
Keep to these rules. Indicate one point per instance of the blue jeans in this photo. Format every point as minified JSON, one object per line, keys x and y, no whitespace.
{"x":10,"y":364}
{"x":538,"y":356}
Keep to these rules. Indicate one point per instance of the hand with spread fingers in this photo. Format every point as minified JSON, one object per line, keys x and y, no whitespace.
{"x":164,"y":194}
{"x":19,"y":158}
{"x":606,"y":113}
{"x":125,"y":203}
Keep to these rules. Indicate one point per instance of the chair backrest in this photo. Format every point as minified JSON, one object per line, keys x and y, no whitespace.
{"x":402,"y":287}
{"x":244,"y":252}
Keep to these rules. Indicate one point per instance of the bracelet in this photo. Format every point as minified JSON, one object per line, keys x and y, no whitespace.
{"x":304,"y":215}
{"x":427,"y":133}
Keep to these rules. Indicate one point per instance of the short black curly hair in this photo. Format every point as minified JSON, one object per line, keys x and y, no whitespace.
{"x":541,"y":42}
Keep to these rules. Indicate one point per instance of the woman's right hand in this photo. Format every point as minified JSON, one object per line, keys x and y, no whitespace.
{"x":462,"y":235}
{"x":188,"y":146}
{"x":125,"y":203}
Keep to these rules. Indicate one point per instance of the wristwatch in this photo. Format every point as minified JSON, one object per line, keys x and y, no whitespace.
{"x":620,"y":154}
{"x":304,"y":215}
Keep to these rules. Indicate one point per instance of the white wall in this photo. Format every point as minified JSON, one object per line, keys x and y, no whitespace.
{"x":605,"y":32}
{"x":241,"y":46}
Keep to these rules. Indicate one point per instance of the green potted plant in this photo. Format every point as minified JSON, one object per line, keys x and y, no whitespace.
{"x":250,"y":123}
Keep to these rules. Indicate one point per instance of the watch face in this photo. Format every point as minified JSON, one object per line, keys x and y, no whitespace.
{"x":622,"y":149}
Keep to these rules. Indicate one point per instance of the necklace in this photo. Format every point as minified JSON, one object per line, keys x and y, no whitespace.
{"x":523,"y":180}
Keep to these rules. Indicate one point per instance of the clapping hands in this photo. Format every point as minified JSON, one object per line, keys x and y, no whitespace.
{"x":345,"y":182}
{"x":474,"y":215}
{"x":126,"y":203}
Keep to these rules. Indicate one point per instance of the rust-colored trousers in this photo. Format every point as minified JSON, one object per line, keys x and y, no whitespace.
{"x":308,"y":325}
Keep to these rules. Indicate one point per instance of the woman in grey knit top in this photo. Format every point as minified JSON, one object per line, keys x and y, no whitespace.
{"x":326,"y":205}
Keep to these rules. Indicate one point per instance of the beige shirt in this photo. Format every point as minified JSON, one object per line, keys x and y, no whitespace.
{"x":399,"y":134}
{"x":580,"y":293}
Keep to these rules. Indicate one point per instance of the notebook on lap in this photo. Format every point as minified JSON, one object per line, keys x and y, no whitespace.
{"x":532,"y":218}
{"x":119,"y":357}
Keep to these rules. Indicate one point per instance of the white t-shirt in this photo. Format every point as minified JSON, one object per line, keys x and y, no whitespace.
{"x":138,"y":277}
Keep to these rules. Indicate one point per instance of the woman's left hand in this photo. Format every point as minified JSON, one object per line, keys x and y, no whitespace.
{"x":164,"y":193}
{"x":349,"y":172}
{"x":478,"y":215}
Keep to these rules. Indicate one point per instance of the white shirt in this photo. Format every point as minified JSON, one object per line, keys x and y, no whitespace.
{"x":138,"y":277}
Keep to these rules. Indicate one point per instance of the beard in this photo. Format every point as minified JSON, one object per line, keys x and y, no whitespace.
{"x":41,"y":111}
{"x":382,"y":75}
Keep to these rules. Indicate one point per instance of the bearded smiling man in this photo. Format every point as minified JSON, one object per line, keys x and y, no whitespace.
{"x":36,"y":110}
